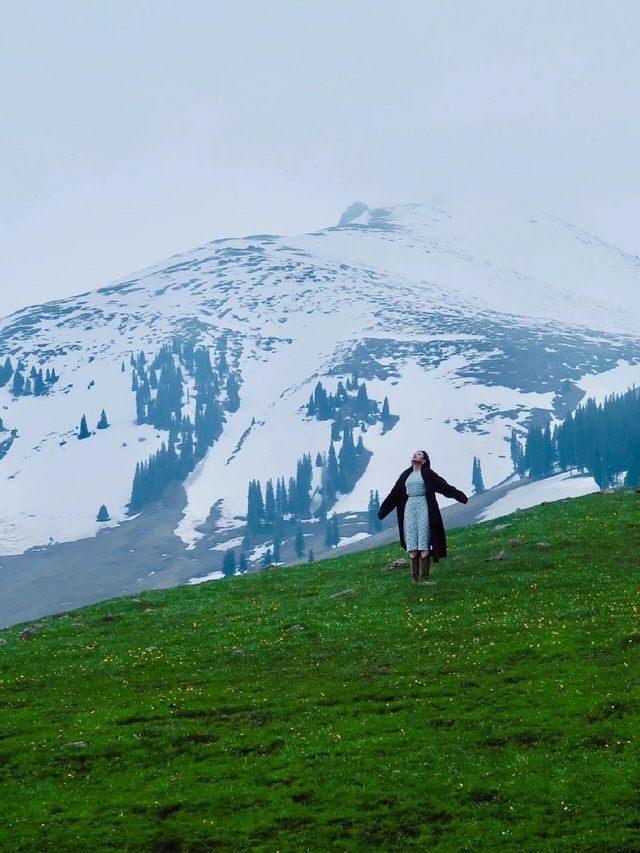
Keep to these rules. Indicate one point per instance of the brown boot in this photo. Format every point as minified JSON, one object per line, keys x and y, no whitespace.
{"x":415,"y":568}
{"x":425,"y":562}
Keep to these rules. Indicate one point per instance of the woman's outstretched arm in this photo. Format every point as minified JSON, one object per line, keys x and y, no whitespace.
{"x":441,"y":486}
{"x":389,"y":503}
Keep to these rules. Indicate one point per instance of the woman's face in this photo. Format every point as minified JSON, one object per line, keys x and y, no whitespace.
{"x":418,"y":457}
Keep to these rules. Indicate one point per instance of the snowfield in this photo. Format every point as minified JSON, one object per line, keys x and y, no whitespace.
{"x":551,"y":489}
{"x":615,"y":381}
{"x":53,"y":482}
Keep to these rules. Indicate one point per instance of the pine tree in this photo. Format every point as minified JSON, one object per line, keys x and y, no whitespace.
{"x":103,"y":514}
{"x":255,"y":507}
{"x":516,"y":451}
{"x":332,"y":535}
{"x":268,"y":558}
{"x":299,"y":546}
{"x":83,"y":431}
{"x":187,"y":354}
{"x":370,"y":527}
{"x":277,"y":547}
{"x":304,"y":477}
{"x":377,"y":523}
{"x":259,"y":502}
{"x":539,"y":454}
{"x":18,"y":384}
{"x":292,"y":495}
{"x":186,"y":460}
{"x":223,"y":365}
{"x":269,"y":503}
{"x":141,"y":406}
{"x":167,"y":406}
{"x":324,"y":403}
{"x":282,"y":503}
{"x":233,"y":398}
{"x":386,"y":413}
{"x":534,"y":453}
{"x":6,"y":371}
{"x":335,"y":529}
{"x":229,"y":562}
{"x":328,"y":536}
{"x":549,"y":457}
{"x":310,"y":558}
{"x":476,"y":477}
{"x":362,"y":400}
{"x":103,"y":423}
{"x":208,"y":421}
{"x":280,"y":507}
{"x":38,"y":384}
{"x":373,"y":522}
{"x":347,"y":462}
{"x":319,"y":462}
{"x":137,"y":488}
{"x":311,"y":407}
{"x":333,"y":475}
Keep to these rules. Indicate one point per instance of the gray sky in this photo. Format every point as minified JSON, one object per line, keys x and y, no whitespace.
{"x":133,"y":130}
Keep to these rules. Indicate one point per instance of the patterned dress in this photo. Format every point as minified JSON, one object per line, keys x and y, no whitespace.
{"x":416,"y":514}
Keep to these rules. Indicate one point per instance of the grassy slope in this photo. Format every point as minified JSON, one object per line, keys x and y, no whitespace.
{"x":498,"y":708}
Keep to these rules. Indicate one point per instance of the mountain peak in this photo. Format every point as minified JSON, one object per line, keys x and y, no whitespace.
{"x":353,"y":212}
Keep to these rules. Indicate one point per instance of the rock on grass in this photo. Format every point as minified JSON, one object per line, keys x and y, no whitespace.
{"x":344,"y":593}
{"x":395,"y":565}
{"x":501,"y":555}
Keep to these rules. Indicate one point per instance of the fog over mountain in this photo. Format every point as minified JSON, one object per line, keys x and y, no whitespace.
{"x":135,"y":131}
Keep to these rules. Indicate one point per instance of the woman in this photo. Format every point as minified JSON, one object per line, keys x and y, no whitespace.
{"x":419,"y":520}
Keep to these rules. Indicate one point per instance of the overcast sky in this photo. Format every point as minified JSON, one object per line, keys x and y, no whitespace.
{"x":134,"y":130}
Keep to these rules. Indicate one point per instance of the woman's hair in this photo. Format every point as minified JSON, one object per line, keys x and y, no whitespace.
{"x":427,"y":461}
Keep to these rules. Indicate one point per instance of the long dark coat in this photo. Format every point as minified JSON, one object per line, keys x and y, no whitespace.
{"x":397,"y":499}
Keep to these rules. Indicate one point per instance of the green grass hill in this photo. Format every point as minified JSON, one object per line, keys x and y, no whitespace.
{"x":498,"y":709}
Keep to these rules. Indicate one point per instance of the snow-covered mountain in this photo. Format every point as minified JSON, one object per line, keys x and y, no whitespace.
{"x":469,"y":325}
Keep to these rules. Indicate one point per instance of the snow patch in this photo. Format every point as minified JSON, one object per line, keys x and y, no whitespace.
{"x":550,"y":489}
{"x":212,"y":576}
{"x":615,"y":381}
